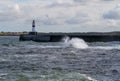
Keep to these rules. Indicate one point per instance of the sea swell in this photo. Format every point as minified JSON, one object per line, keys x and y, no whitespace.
{"x":61,"y":61}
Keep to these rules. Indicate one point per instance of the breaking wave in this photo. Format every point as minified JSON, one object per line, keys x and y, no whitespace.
{"x":75,"y":42}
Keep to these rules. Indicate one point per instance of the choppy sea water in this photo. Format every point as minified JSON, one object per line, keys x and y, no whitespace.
{"x":68,"y":60}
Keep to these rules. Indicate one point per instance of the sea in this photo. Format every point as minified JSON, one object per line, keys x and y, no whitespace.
{"x":66,"y":60}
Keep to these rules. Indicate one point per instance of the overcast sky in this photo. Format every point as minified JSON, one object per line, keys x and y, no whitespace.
{"x":60,"y":15}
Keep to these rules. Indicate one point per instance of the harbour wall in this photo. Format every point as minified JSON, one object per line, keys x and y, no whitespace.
{"x":56,"y":37}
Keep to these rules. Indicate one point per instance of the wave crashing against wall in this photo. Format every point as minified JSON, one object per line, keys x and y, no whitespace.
{"x":75,"y":42}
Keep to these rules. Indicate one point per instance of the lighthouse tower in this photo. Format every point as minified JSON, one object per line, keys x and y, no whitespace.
{"x":33,"y":32}
{"x":33,"y":26}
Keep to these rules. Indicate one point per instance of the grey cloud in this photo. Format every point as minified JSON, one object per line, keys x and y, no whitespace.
{"x":59,"y":5}
{"x":74,"y":21}
{"x":91,"y":0}
{"x":68,"y":3}
{"x":79,"y":18}
{"x":9,"y":12}
{"x":86,"y":1}
{"x":64,"y":13}
{"x":112,"y":14}
{"x":107,"y":0}
{"x":6,"y":16}
{"x":47,"y":20}
{"x":81,"y":0}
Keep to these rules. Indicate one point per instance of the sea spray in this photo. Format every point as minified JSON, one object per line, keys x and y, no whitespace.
{"x":75,"y":42}
{"x":78,"y":43}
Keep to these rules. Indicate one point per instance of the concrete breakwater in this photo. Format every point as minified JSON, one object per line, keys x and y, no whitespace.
{"x":56,"y":37}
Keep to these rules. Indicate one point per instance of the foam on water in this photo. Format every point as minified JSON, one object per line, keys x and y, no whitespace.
{"x":42,"y":46}
{"x":105,"y":47}
{"x":53,"y":76}
{"x":12,"y":42}
{"x":75,"y":42}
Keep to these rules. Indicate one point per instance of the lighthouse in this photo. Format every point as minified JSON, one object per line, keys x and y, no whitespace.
{"x":33,"y":32}
{"x":33,"y":26}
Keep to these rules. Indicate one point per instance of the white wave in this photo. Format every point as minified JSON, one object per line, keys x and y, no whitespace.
{"x":75,"y":42}
{"x":105,"y":47}
{"x":43,"y":46}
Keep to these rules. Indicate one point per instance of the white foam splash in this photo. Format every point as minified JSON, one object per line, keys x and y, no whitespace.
{"x":75,"y":42}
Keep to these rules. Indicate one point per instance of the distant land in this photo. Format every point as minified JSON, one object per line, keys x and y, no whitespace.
{"x":12,"y":33}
